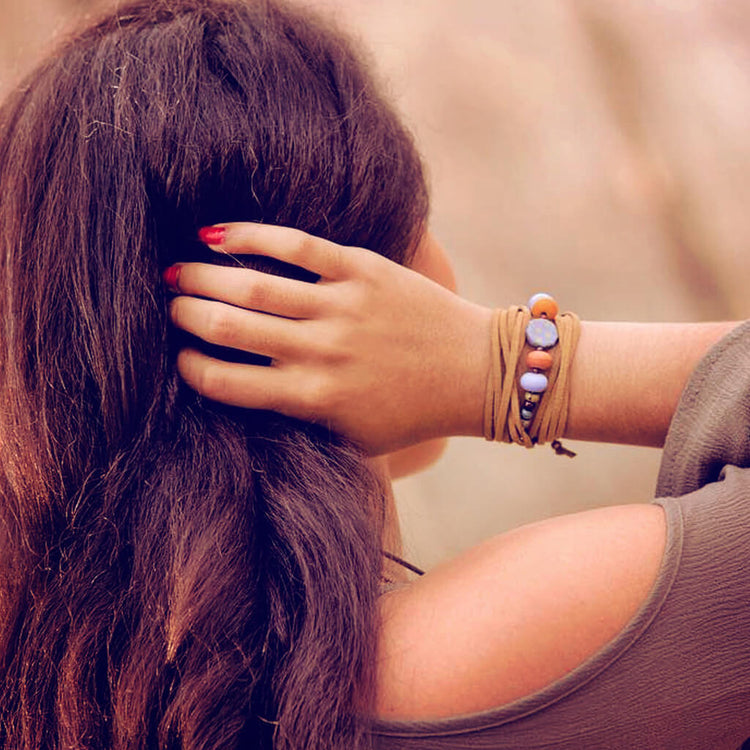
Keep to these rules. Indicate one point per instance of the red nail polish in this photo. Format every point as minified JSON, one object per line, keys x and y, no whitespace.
{"x":171,"y":277}
{"x":212,"y":235}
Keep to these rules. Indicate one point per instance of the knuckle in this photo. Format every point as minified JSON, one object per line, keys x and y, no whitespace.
{"x":333,"y":343}
{"x":340,"y":346}
{"x":254,"y":297}
{"x":211,"y":381}
{"x":353,"y":305}
{"x":181,"y":313}
{"x":358,"y":298}
{"x":317,"y":396}
{"x":339,"y":256}
{"x":302,"y":246}
{"x":220,"y":328}
{"x":370,"y":265}
{"x":272,"y":400}
{"x":173,"y":310}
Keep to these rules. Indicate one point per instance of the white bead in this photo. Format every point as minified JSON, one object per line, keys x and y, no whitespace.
{"x":535,"y":298}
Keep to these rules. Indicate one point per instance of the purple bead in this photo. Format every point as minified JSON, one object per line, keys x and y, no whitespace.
{"x":541,"y":333}
{"x":534,"y":382}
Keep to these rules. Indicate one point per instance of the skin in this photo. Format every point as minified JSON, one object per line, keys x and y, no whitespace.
{"x":542,"y":598}
{"x":415,"y":352}
{"x":432,"y":262}
{"x":328,"y":350}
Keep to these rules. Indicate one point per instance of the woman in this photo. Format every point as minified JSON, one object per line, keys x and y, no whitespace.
{"x":615,"y":628}
{"x":176,"y":573}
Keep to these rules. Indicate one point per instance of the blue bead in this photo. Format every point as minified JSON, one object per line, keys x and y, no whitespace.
{"x":541,"y":333}
{"x":526,"y":414}
{"x":534,"y":382}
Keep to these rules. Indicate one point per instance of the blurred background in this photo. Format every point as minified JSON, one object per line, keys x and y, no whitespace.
{"x":594,"y":149}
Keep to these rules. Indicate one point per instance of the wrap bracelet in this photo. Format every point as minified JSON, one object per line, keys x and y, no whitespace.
{"x":540,"y":343}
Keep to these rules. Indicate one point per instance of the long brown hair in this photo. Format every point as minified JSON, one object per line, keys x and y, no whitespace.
{"x":175,"y":573}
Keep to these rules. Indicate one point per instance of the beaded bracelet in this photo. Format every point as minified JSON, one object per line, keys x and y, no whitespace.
{"x":541,"y":333}
{"x":533,"y":419}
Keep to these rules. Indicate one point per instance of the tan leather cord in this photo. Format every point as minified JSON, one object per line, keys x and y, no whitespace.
{"x":507,"y":337}
{"x":494,"y":379}
{"x":512,"y":331}
{"x":502,"y":406}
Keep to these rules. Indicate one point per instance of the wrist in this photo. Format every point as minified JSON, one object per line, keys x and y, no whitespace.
{"x":528,"y":388}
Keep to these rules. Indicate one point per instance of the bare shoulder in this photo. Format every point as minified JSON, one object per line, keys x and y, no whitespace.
{"x":515,"y":613}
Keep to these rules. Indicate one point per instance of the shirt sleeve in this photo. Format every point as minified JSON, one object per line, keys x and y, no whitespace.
{"x":711,"y":426}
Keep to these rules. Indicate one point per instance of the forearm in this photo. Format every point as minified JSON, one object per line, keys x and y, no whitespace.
{"x":627,"y":378}
{"x":625,"y":382}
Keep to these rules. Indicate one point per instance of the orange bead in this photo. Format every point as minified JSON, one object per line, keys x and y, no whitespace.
{"x":536,"y":360}
{"x":545,"y":307}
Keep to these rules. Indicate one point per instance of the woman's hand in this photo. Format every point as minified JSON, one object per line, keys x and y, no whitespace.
{"x":376,"y":351}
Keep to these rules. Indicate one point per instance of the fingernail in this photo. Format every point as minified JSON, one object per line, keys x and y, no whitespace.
{"x":171,"y":277}
{"x":212,"y":235}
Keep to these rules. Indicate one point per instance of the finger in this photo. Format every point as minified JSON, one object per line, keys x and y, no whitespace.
{"x":252,"y":290}
{"x":246,"y":386}
{"x":232,"y":327}
{"x":324,"y":258}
